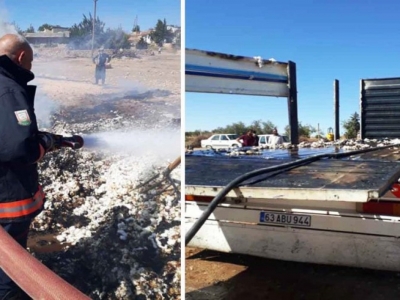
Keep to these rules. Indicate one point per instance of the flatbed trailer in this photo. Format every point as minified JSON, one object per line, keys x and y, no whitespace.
{"x":322,"y":212}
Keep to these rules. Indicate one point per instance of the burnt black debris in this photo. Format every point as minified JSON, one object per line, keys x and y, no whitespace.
{"x":104,"y":235}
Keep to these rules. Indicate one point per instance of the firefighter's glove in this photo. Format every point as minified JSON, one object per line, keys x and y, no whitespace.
{"x":49,"y":141}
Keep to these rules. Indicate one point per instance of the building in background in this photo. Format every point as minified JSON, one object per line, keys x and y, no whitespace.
{"x":57,"y":35}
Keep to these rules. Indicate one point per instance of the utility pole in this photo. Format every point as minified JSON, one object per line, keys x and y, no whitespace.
{"x":94,"y":23}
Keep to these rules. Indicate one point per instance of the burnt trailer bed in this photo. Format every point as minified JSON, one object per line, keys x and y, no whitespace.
{"x":359,"y":179}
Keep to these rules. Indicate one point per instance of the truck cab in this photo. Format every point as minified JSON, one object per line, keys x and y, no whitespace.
{"x":264,"y":140}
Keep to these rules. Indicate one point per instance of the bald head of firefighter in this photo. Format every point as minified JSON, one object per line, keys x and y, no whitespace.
{"x":17,"y":49}
{"x":22,"y":145}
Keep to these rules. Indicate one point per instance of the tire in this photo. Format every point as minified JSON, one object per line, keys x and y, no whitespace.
{"x":208,"y":147}
{"x":235,"y":146}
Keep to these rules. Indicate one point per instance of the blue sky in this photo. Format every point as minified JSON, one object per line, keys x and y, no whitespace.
{"x":113,"y":12}
{"x":341,"y":39}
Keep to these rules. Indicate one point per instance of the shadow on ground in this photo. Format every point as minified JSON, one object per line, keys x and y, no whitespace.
{"x":258,"y":278}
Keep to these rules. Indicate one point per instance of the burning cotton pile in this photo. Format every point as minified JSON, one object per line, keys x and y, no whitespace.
{"x":121,"y":235}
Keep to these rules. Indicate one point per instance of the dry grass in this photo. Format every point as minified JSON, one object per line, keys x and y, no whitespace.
{"x":194,"y":141}
{"x":307,"y":139}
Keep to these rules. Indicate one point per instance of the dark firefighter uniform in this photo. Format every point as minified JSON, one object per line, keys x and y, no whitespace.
{"x":100,"y":60}
{"x":21,"y":147}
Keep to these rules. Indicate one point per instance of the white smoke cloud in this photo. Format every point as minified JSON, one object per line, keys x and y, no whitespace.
{"x":5,"y":26}
{"x":163,"y":144}
{"x":44,"y":108}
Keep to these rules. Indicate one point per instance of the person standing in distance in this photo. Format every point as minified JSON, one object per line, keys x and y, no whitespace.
{"x":101,"y":59}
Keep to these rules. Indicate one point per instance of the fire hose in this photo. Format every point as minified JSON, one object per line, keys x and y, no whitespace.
{"x":235,"y":183}
{"x":34,"y":278}
{"x":74,"y":142}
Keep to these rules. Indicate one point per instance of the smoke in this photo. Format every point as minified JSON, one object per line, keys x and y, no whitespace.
{"x":5,"y":26}
{"x":44,"y":108}
{"x":131,"y":87}
{"x":162,"y":144}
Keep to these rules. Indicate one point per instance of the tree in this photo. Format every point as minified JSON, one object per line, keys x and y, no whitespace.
{"x":136,"y":29}
{"x":115,"y":39}
{"x":257,"y":126}
{"x":30,"y":29}
{"x":141,"y":44}
{"x":304,"y":130}
{"x":81,"y":33}
{"x":237,"y":128}
{"x":268,"y":127}
{"x":17,"y":28}
{"x":45,"y":26}
{"x":352,"y":126}
{"x":160,"y":32}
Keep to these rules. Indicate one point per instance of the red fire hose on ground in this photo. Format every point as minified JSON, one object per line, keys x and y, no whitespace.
{"x":34,"y":278}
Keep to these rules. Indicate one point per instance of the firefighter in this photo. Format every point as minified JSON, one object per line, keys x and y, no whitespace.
{"x":21,"y":147}
{"x":101,"y":59}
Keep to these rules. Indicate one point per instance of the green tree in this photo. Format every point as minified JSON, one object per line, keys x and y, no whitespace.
{"x":45,"y":26}
{"x":268,"y":126}
{"x":30,"y":29}
{"x":141,"y":44}
{"x":352,"y":126}
{"x":136,"y":28}
{"x":304,"y":130}
{"x":237,"y":128}
{"x":81,"y":33}
{"x":17,"y":28}
{"x":160,"y":32}
{"x":115,"y":39}
{"x":257,"y":126}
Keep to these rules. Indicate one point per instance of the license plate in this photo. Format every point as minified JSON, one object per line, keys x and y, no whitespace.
{"x":285,"y":219}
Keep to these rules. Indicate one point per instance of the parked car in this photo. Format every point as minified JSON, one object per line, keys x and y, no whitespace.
{"x":226,"y":140}
{"x":264,"y":139}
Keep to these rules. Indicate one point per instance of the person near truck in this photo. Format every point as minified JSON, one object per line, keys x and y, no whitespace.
{"x":256,"y":138}
{"x":247,"y":139}
{"x":275,"y":139}
{"x":21,"y":147}
{"x":101,"y":60}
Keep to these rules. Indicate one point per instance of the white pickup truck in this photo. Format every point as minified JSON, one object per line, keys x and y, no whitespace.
{"x":264,"y":140}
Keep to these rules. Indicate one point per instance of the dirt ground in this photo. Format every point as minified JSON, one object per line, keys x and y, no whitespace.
{"x":220,"y":276}
{"x":70,"y":81}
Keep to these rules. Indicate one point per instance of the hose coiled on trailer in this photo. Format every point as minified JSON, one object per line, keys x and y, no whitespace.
{"x":234,"y":183}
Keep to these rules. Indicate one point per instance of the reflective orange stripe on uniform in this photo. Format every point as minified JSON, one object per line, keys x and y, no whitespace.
{"x":42,"y":153}
{"x":21,"y":208}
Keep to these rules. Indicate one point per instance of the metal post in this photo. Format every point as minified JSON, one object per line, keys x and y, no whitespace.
{"x":292,"y":104}
{"x":336,"y":109}
{"x":362,"y":117}
{"x":94,"y":22}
